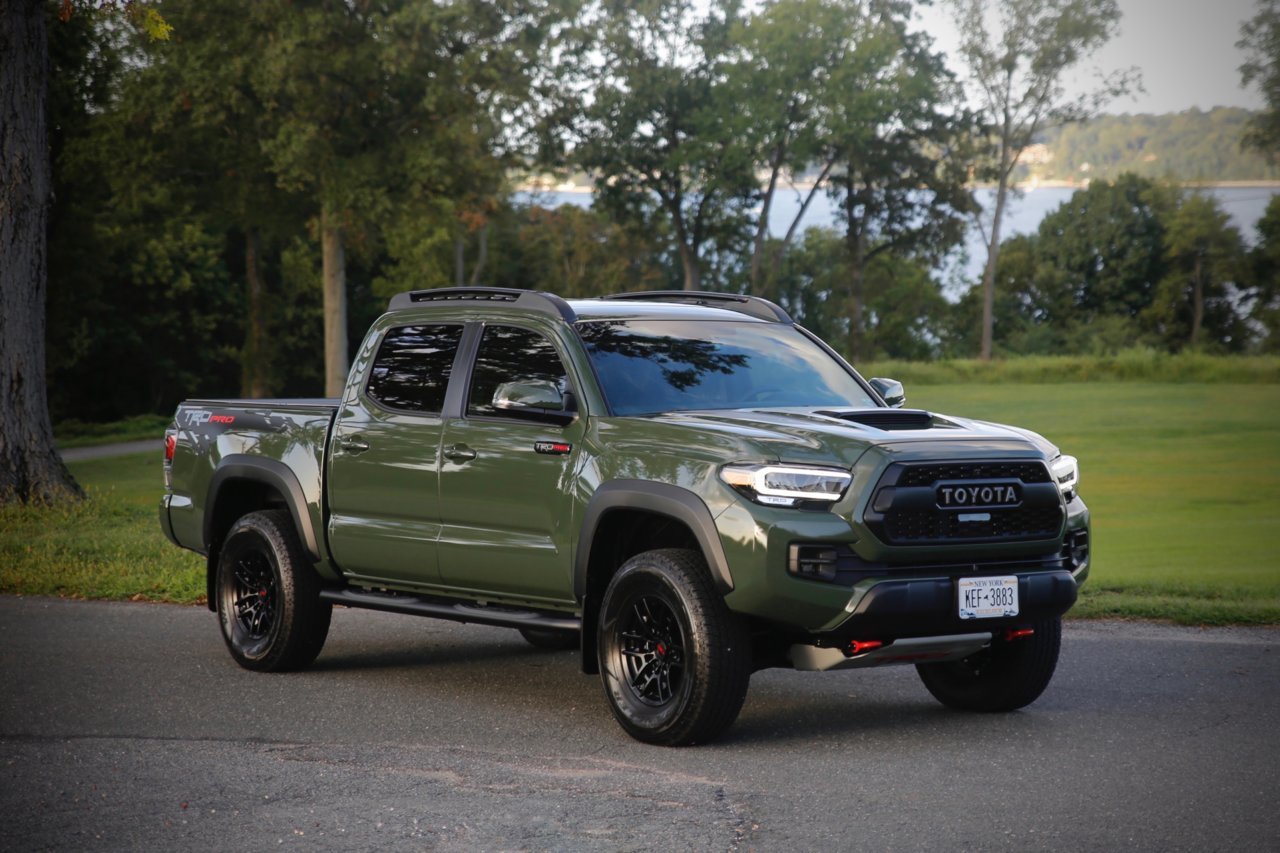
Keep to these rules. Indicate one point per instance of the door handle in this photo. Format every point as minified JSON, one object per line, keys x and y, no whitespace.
{"x":353,"y":445}
{"x":459,"y":453}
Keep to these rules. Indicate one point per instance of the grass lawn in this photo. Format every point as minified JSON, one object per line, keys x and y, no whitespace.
{"x":1183,"y":481}
{"x":109,"y":546}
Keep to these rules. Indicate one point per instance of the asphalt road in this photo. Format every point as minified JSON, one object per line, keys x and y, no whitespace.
{"x":128,"y":726}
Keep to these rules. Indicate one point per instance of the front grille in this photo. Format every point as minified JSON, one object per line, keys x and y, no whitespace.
{"x":923,"y":525}
{"x":927,"y":475}
{"x":905,"y":510}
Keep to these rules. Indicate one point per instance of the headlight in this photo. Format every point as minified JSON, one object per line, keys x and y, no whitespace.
{"x":1066,"y":473}
{"x":786,"y":485}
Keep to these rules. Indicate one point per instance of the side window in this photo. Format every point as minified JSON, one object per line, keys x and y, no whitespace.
{"x":412,"y":368}
{"x":508,"y":354}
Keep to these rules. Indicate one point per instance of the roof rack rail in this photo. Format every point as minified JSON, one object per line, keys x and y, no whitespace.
{"x":751,"y":305}
{"x":534,"y":300}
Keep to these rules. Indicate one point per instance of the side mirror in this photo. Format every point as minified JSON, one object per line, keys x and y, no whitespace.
{"x":536,"y":399}
{"x":891,"y":391}
{"x":533,"y":394}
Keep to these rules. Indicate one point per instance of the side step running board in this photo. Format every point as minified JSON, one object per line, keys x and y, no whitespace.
{"x":414,"y":605}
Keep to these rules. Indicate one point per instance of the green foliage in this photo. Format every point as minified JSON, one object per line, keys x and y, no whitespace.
{"x":577,"y":253}
{"x":78,"y":433}
{"x":658,"y":126}
{"x":902,"y":302}
{"x":1193,"y":145}
{"x":1195,"y":304}
{"x":1119,"y":263}
{"x":1263,"y":270}
{"x":1260,"y":39}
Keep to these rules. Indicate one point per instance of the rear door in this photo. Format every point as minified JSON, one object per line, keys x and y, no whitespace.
{"x":384,"y":516}
{"x":505,"y":479}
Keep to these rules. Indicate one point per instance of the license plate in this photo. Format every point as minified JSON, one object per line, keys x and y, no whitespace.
{"x":988,"y":598}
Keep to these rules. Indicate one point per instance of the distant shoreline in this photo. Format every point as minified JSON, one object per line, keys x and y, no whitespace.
{"x":1025,"y":186}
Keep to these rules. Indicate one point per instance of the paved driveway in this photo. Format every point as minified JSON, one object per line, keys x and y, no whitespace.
{"x":128,"y":726}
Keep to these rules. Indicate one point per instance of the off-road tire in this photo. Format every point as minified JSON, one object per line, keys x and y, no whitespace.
{"x":1007,"y":675}
{"x":674,"y":661}
{"x":269,"y":605}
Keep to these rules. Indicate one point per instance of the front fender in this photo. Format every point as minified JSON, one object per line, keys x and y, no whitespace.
{"x":663,"y":499}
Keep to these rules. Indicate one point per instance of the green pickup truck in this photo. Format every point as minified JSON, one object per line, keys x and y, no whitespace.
{"x":688,"y":487}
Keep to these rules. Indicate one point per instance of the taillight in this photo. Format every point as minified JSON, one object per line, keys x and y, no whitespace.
{"x":170,"y":444}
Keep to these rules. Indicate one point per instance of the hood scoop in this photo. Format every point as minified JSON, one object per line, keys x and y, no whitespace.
{"x":886,"y":419}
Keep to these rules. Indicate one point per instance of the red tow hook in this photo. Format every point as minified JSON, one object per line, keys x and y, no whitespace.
{"x":857,"y":647}
{"x":1011,"y":634}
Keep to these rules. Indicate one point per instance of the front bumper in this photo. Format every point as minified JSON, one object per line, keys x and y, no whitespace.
{"x":918,"y":607}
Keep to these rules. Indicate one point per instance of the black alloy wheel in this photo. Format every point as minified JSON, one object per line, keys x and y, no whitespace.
{"x":652,"y":644}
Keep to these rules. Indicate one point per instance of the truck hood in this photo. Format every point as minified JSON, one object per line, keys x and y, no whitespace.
{"x":829,"y":435}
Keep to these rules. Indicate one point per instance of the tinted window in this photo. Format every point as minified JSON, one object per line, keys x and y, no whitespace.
{"x":413,"y":365}
{"x":508,"y":354}
{"x":652,"y":366}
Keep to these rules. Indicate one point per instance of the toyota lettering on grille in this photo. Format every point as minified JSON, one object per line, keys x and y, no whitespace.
{"x":978,"y":495}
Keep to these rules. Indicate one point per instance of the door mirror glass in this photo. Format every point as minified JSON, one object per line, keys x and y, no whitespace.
{"x":891,"y":391}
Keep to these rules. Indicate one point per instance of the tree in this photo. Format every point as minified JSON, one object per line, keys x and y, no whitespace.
{"x":891,"y":146}
{"x":782,"y":64}
{"x":1264,"y":272}
{"x":30,"y":468}
{"x":903,"y":307}
{"x":659,"y":132}
{"x":1016,"y":74}
{"x":1260,"y":39}
{"x":1195,"y":303}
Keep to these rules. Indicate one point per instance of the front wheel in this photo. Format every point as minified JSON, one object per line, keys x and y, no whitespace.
{"x":1005,"y":676}
{"x":674,"y":660}
{"x":269,"y":603}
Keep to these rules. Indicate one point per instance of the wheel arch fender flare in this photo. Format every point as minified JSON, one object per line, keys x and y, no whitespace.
{"x":269,"y":472}
{"x":662,"y":499}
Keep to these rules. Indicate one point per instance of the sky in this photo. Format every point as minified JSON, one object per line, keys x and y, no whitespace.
{"x":1184,"y":48}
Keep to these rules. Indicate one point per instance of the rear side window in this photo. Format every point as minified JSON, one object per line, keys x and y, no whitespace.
{"x":412,"y":368}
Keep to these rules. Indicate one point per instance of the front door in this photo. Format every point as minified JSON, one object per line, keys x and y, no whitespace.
{"x":506,"y":511}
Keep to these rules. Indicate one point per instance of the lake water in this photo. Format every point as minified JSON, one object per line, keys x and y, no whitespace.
{"x":1245,"y":206}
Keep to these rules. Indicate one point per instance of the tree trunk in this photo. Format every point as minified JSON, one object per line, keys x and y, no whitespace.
{"x":30,"y":468}
{"x":856,"y":248}
{"x":689,"y":265}
{"x":459,"y":260}
{"x":989,"y":274}
{"x":335,"y":306}
{"x":762,"y":225}
{"x":254,"y":372}
{"x":482,"y":256}
{"x":1197,"y":302}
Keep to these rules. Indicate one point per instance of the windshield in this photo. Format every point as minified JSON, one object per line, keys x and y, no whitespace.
{"x":653,"y":366}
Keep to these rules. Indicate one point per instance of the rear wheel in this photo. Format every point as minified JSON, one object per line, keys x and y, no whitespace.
{"x":269,"y":603}
{"x":1005,"y":676}
{"x":674,"y":660}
